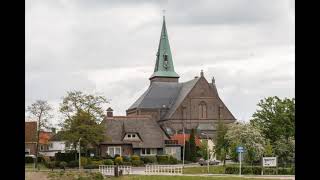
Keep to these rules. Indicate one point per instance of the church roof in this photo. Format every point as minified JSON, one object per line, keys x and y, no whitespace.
{"x":168,"y":94}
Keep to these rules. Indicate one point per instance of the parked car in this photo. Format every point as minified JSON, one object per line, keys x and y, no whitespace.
{"x":211,"y":162}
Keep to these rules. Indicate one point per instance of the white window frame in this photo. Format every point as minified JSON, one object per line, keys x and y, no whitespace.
{"x":114,"y":150}
{"x":153,"y":151}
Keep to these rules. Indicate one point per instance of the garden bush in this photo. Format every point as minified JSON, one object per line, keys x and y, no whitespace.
{"x":135,"y":157}
{"x":163,"y":159}
{"x":173,"y":160}
{"x":28,"y":160}
{"x":73,"y":164}
{"x":137,"y":162}
{"x":63,"y":164}
{"x":116,"y":155}
{"x":84,"y":161}
{"x":67,"y":157}
{"x":118,"y":160}
{"x":108,"y":162}
{"x":126,"y":159}
{"x":50,"y":164}
{"x":97,"y":162}
{"x":149,"y":159}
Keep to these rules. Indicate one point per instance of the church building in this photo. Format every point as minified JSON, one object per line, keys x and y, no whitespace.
{"x":166,"y":109}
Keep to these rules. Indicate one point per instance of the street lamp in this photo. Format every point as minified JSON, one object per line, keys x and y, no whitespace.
{"x":207,"y":149}
{"x":79,"y":154}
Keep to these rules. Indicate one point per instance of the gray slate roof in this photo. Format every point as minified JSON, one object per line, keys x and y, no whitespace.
{"x":148,"y":130}
{"x":170,"y":94}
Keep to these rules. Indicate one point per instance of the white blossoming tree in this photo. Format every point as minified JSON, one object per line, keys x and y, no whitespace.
{"x":244,"y":134}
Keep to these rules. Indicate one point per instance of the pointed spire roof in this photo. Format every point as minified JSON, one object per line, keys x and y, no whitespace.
{"x":164,"y":63}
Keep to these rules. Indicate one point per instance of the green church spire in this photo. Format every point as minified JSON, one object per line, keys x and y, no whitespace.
{"x":164,"y":63}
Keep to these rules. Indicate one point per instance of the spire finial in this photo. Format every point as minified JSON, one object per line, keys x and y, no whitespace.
{"x":201,"y":73}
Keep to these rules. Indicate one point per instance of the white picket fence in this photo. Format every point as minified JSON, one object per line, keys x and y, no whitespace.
{"x":109,"y":169}
{"x":164,"y":169}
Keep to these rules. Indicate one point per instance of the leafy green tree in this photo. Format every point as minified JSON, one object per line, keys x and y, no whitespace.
{"x":203,"y":149}
{"x":77,"y":101}
{"x":275,"y":118}
{"x":249,"y":137}
{"x":285,"y":150}
{"x":193,"y":147}
{"x":268,"y":150}
{"x":83,"y":125}
{"x":41,"y":111}
{"x":222,"y":144}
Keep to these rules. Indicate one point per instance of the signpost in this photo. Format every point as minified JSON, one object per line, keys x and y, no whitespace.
{"x":240,"y":150}
{"x":269,"y":162}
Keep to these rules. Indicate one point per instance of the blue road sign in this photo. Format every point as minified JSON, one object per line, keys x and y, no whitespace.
{"x":240,"y":149}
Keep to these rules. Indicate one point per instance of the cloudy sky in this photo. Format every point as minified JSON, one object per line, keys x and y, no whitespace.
{"x":109,"y":47}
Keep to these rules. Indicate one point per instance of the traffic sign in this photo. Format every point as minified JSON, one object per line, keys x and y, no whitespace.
{"x":240,"y":149}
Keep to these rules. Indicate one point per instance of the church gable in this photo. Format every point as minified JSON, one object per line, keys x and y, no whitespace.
{"x":202,"y":102}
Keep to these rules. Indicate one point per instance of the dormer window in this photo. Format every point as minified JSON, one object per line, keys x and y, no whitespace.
{"x":165,"y":56}
{"x":131,"y":136}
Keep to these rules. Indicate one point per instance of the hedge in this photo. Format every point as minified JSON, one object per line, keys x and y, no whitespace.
{"x":118,"y":160}
{"x":73,"y":164}
{"x":108,"y":162}
{"x":91,"y":166}
{"x":257,"y":170}
{"x":135,"y":157}
{"x":28,"y":160}
{"x":149,"y":159}
{"x":162,"y":159}
{"x":137,"y":162}
{"x":67,"y":157}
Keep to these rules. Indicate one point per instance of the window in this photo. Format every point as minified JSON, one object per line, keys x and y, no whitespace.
{"x":50,"y":145}
{"x":133,"y":135}
{"x":129,"y":135}
{"x":113,"y":150}
{"x":202,"y":110}
{"x":41,"y":147}
{"x":148,"y":151}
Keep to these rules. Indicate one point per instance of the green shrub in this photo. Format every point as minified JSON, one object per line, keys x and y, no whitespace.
{"x":118,"y":160}
{"x":97,"y":162}
{"x":50,"y":164}
{"x":84,"y":161}
{"x":41,"y":159}
{"x":116,"y":155}
{"x":126,"y":159}
{"x":173,"y":160}
{"x":73,"y":164}
{"x":108,"y":162}
{"x":62,"y":164}
{"x":163,"y":159}
{"x":91,"y":166}
{"x":149,"y":159}
{"x":135,"y":157}
{"x":28,"y":160}
{"x":67,"y":157}
{"x":137,"y":162}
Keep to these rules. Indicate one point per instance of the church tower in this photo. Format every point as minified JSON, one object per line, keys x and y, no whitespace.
{"x":164,"y":69}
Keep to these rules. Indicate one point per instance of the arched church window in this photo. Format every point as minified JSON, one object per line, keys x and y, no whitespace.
{"x":202,"y":110}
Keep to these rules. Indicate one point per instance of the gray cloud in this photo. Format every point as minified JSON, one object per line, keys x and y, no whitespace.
{"x":110,"y":47}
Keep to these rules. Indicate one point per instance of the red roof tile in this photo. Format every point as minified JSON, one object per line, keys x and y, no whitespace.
{"x":180,"y":138}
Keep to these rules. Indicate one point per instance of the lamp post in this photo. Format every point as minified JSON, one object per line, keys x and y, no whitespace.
{"x":207,"y":150}
{"x":184,"y":136}
{"x":79,"y":154}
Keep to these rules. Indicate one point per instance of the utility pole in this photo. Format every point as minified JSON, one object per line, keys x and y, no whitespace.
{"x":184,"y":137}
{"x":79,"y":154}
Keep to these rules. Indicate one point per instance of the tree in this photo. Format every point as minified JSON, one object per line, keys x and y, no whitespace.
{"x":203,"y":149}
{"x":222,"y":144}
{"x":244,"y":134}
{"x":275,"y":118}
{"x":268,"y":150}
{"x":83,"y":125}
{"x":77,"y":101}
{"x":285,"y":150}
{"x":187,"y":151}
{"x":193,"y":147}
{"x":41,"y":111}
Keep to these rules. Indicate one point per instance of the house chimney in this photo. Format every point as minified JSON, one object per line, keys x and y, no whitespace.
{"x":201,"y":73}
{"x":109,"y":112}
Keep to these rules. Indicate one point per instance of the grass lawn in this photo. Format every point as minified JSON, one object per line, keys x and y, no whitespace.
{"x":31,"y":166}
{"x":96,"y":176}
